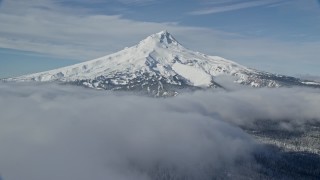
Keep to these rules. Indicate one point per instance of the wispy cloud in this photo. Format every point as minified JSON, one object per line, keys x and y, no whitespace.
{"x":219,"y":7}
{"x":137,"y":2}
{"x":50,"y":28}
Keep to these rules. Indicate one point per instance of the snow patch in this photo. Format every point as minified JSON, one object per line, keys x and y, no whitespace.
{"x":158,"y":55}
{"x":195,"y":75}
{"x":311,"y":83}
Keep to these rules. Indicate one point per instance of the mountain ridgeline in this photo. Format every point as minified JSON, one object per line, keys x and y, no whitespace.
{"x":160,"y":66}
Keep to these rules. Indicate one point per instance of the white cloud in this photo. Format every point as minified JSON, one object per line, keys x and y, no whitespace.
{"x":68,"y":133}
{"x":137,"y":2}
{"x":235,"y":5}
{"x":68,"y":34}
{"x":63,"y":132}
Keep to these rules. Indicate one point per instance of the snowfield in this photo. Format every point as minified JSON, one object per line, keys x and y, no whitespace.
{"x":157,"y":54}
{"x":160,"y":66}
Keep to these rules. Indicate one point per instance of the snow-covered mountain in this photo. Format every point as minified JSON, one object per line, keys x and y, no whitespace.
{"x":159,"y":65}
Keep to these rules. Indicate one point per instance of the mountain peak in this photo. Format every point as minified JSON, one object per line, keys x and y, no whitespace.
{"x":163,"y":32}
{"x":162,"y":37}
{"x":158,"y":64}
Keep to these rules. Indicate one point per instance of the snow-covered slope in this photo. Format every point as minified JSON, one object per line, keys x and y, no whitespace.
{"x":157,"y":64}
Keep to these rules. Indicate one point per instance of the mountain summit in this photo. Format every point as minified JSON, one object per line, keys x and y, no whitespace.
{"x":163,"y":37}
{"x":159,"y":65}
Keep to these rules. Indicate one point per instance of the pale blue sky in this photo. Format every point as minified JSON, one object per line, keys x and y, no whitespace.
{"x":280,"y":36}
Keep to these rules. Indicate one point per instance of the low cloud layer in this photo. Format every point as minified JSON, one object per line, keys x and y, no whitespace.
{"x":292,"y":106}
{"x":70,"y":133}
{"x":62,"y":132}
